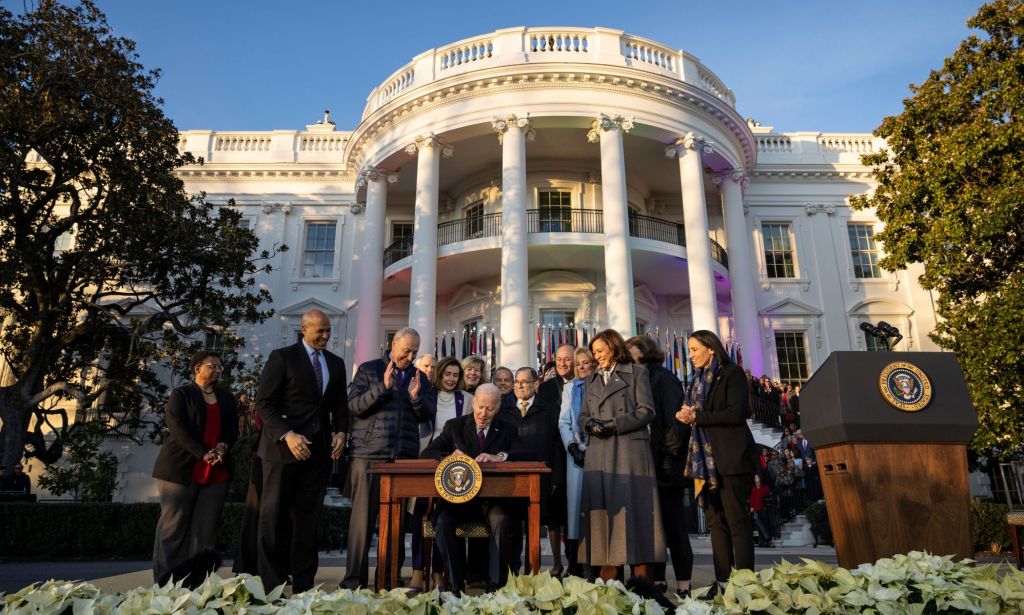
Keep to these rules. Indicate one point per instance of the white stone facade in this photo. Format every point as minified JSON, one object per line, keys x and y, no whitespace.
{"x":530,"y":170}
{"x":562,"y":169}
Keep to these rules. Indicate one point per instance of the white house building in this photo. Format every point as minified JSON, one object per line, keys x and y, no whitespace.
{"x":556,"y":177}
{"x":561,"y":178}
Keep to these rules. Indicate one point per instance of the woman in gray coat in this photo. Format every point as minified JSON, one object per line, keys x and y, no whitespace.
{"x":621,"y":516}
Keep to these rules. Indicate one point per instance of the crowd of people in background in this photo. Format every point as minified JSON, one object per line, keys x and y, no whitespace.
{"x":624,"y":438}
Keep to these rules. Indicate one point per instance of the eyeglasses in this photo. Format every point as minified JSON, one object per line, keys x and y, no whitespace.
{"x":213,"y":366}
{"x":522,"y":383}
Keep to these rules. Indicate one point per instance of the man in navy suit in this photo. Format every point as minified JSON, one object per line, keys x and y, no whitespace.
{"x":480,"y":436}
{"x":303,"y":403}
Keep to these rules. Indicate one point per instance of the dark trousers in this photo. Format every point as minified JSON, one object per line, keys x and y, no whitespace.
{"x":732,"y":532}
{"x":292,"y":496}
{"x":673,"y":517}
{"x":364,"y":490}
{"x":186,"y":533}
{"x":453,"y":551}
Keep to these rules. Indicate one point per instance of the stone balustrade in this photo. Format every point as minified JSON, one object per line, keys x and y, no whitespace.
{"x":518,"y":46}
{"x":273,"y":146}
{"x":815,"y":147}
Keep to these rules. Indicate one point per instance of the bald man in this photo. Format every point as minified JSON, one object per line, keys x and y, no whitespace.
{"x":303,"y":402}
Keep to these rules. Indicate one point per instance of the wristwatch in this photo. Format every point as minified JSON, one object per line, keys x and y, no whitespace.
{"x":503,"y":456}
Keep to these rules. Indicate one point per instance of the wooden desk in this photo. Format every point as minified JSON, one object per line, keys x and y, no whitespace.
{"x":414,"y":478}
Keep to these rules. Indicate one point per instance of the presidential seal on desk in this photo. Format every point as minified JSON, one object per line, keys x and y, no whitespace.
{"x":458,"y":479}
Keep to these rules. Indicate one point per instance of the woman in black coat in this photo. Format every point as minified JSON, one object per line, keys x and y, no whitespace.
{"x":669,"y":442}
{"x":193,"y":473}
{"x":723,"y":457}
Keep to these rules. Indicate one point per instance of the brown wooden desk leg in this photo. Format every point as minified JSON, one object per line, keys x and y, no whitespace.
{"x":534,"y":524}
{"x":383,"y":533}
{"x":397,"y":544}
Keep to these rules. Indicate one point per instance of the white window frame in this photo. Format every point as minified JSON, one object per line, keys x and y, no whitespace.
{"x":888,"y":278}
{"x":299,"y":268}
{"x":805,"y":331}
{"x":794,"y":223}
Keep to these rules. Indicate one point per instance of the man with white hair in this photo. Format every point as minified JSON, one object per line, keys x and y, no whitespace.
{"x":388,"y":401}
{"x":486,"y":438}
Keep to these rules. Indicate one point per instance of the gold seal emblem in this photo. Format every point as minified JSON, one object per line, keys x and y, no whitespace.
{"x":905,"y":386}
{"x":458,"y":479}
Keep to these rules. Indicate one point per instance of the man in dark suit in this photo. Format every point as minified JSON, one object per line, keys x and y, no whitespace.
{"x":388,"y":401}
{"x":480,"y":436}
{"x":551,"y":390}
{"x":303,"y":404}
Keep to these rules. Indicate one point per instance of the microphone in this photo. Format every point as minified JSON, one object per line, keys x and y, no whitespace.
{"x":872,"y":330}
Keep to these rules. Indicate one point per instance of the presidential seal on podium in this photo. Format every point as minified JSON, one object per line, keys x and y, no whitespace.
{"x":458,"y":479}
{"x":905,"y":386}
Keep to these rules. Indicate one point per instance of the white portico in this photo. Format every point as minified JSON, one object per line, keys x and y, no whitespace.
{"x":531,"y":182}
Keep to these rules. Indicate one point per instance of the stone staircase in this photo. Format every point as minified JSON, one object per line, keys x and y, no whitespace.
{"x":796,"y":533}
{"x":333,"y":497}
{"x":763,"y":434}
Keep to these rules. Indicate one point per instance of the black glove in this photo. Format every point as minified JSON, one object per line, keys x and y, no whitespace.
{"x":599,"y":428}
{"x":667,"y":469}
{"x":577,"y":454}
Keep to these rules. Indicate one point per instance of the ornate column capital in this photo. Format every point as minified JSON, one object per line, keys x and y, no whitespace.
{"x":813,"y":208}
{"x":604,"y":123}
{"x":447,"y":150}
{"x":502,"y":124}
{"x":739,"y":176}
{"x":688,"y":142}
{"x":372,"y":174}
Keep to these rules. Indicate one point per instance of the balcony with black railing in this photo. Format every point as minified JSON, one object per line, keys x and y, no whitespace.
{"x":551,"y":220}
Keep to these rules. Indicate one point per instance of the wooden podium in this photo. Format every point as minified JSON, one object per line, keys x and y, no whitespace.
{"x":414,"y":478}
{"x":892,"y":453}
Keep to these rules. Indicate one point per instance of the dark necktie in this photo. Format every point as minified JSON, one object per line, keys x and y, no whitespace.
{"x":480,"y":439}
{"x":318,"y":370}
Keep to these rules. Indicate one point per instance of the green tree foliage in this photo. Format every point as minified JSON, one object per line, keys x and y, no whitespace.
{"x":89,"y":474}
{"x":951,"y":194}
{"x":109,"y":271}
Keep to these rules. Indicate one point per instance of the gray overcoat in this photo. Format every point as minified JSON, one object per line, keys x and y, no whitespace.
{"x":621,"y":516}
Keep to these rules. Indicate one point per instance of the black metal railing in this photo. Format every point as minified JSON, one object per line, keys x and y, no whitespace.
{"x":768,"y":412}
{"x":464,"y":229}
{"x":646,"y":227}
{"x":559,"y":220}
{"x":718,"y":253}
{"x":397,"y":251}
{"x":552,"y":220}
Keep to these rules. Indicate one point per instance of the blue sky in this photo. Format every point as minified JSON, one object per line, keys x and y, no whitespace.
{"x":796,"y":65}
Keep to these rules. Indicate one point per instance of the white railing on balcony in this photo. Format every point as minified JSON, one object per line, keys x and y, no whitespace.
{"x":398,"y":84}
{"x":847,"y":144}
{"x":774,"y":144}
{"x":307,"y":146}
{"x":465,"y":53}
{"x":322,"y":143}
{"x":651,"y":53}
{"x":542,"y":41}
{"x":242,"y":143}
{"x":518,"y":46}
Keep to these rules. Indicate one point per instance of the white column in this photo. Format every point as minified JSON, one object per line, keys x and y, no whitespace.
{"x":698,"y":239}
{"x":741,"y":270}
{"x":371,"y":270}
{"x":423,"y":285}
{"x":515,"y":277}
{"x":618,"y":264}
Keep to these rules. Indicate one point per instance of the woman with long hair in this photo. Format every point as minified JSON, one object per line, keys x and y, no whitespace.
{"x":621,"y":516}
{"x":722,"y":457}
{"x":669,"y":442}
{"x":452,"y":402}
